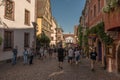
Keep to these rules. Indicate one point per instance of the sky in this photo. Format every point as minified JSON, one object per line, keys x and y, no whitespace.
{"x":67,"y":13}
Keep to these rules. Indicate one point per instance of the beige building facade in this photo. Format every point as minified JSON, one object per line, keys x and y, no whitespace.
{"x":44,"y":17}
{"x":69,"y":40}
{"x":54,"y":32}
{"x":16,"y":28}
{"x":59,"y":36}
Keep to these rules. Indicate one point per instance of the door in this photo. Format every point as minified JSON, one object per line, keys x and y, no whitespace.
{"x":99,"y":51}
{"x":118,"y":59}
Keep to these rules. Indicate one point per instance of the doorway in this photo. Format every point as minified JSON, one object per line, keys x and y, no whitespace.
{"x":118,"y":59}
{"x":99,"y":51}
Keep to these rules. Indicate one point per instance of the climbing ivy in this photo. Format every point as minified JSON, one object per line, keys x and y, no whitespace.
{"x":100,"y":32}
{"x":86,"y":46}
{"x":80,"y":36}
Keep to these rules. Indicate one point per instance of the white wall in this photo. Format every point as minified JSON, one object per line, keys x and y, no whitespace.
{"x":19,"y":41}
{"x":54,"y":32}
{"x":18,"y":26}
{"x":69,"y":40}
{"x":20,"y":6}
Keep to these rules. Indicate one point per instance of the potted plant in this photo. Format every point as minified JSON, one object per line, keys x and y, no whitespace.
{"x":111,"y":5}
{"x":106,"y":9}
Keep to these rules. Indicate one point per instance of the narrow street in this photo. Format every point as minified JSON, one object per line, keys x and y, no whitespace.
{"x":48,"y":70}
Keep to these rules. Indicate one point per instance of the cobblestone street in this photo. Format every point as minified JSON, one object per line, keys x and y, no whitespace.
{"x":48,"y":70}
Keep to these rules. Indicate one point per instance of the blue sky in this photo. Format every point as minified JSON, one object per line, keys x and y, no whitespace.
{"x":67,"y":13}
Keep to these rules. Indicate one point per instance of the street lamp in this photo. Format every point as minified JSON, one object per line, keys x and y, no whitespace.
{"x":35,"y":30}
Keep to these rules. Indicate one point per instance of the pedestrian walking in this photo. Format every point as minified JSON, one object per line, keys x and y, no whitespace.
{"x":55,"y":51}
{"x":41,"y":51}
{"x":77,"y":55}
{"x":25,"y":56}
{"x":31,"y":54}
{"x":15,"y":52}
{"x":45,"y":52}
{"x":60,"y":56}
{"x":93,"y":55}
{"x":70,"y":55}
{"x":50,"y":51}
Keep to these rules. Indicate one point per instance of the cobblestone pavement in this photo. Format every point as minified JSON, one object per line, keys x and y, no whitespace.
{"x":48,"y":70}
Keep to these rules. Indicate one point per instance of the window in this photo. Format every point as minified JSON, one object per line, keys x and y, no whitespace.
{"x":119,"y":2}
{"x":8,"y":40}
{"x":98,"y":5}
{"x":26,"y":39}
{"x":59,"y":31}
{"x":9,"y":10}
{"x":52,"y":38}
{"x":59,"y":38}
{"x":29,"y":1}
{"x":27,"y":17}
{"x":94,"y":10}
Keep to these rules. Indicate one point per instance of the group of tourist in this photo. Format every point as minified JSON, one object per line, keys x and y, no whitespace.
{"x":29,"y":53}
{"x":26,"y":53}
{"x":73,"y":55}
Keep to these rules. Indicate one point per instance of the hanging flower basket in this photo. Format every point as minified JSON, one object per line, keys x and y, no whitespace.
{"x":113,"y":4}
{"x":106,"y":9}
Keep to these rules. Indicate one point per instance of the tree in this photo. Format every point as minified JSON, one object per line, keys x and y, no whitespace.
{"x":42,"y":40}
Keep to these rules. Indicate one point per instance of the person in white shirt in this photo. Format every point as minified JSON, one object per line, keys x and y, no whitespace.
{"x":77,"y":55}
{"x":45,"y":52}
{"x":70,"y":55}
{"x":41,"y":52}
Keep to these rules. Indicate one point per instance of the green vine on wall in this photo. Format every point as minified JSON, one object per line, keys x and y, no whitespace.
{"x":100,"y":32}
{"x":110,"y":5}
{"x":80,"y":35}
{"x":86,"y":46}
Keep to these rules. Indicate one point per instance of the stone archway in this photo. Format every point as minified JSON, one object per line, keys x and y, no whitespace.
{"x":118,"y":59}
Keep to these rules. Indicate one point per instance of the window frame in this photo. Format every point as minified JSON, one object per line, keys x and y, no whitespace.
{"x":27,"y":17}
{"x":8,"y":39}
{"x":26,"y":39}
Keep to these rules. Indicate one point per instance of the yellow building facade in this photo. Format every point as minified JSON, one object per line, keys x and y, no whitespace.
{"x":44,"y":17}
